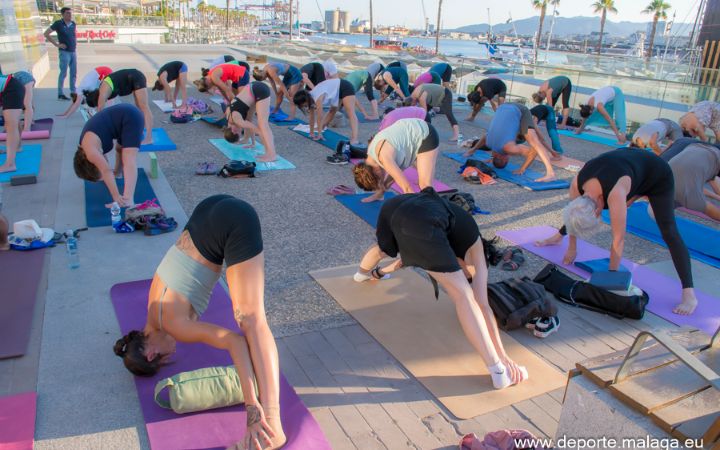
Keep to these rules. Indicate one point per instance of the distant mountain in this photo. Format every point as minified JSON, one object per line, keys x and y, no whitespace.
{"x":565,"y":26}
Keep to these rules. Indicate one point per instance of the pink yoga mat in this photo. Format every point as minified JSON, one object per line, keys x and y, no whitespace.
{"x":17,"y":421}
{"x":39,"y":130}
{"x":218,"y":428}
{"x":19,"y":277}
{"x":412,"y":176}
{"x":664,"y":292}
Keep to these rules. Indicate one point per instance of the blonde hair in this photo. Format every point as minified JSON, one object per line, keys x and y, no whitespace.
{"x":579,"y":217}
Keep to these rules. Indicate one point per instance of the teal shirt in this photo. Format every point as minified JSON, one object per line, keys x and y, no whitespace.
{"x":405,"y":136}
{"x":357,"y":78}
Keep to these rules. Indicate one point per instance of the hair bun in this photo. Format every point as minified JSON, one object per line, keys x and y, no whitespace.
{"x":120,"y":347}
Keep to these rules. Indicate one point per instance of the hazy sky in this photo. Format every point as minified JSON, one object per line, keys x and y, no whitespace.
{"x":457,"y":13}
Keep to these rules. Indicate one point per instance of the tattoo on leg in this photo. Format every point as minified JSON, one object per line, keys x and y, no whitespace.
{"x":253,"y":415}
{"x":239,"y":316}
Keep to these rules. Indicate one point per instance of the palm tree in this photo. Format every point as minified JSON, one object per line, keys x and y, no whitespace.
{"x":658,"y":8}
{"x":603,"y":6}
{"x":542,"y":6}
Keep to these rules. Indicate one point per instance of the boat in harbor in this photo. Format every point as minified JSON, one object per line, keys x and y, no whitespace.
{"x":390,"y":43}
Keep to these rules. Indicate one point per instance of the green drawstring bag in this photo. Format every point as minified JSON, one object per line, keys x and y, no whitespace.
{"x":200,"y":390}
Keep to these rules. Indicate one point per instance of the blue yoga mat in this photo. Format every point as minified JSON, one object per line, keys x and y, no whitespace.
{"x":702,"y":241}
{"x":280,"y":118}
{"x":463,"y":159}
{"x":525,"y":180}
{"x":27,"y":162}
{"x":368,"y":212}
{"x":238,"y":153}
{"x":597,"y":265}
{"x":586,"y":136}
{"x":215,"y":121}
{"x":97,"y":196}
{"x":161,"y":142}
{"x":330,"y":140}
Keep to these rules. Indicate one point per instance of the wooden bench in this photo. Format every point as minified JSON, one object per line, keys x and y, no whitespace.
{"x":669,"y":378}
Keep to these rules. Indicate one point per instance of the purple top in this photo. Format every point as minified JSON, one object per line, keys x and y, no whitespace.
{"x":406,"y":112}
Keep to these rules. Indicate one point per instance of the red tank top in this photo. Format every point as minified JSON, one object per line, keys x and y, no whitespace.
{"x":103,"y":71}
{"x":230,"y":72}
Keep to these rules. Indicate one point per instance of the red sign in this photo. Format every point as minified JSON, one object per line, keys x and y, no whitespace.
{"x":97,"y":35}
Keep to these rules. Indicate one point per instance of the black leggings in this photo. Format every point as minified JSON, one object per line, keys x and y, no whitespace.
{"x":663,"y":207}
{"x":565,"y":94}
{"x":446,"y":107}
{"x":368,"y":86}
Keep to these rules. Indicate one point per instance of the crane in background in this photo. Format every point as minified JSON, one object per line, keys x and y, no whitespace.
{"x":425,"y":16}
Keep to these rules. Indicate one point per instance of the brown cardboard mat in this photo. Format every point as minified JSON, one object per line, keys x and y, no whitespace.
{"x":426,"y":337}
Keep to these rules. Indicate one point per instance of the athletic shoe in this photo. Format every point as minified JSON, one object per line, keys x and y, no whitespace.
{"x":337,"y":159}
{"x":532,"y":322}
{"x":63,"y":97}
{"x":546,"y":326}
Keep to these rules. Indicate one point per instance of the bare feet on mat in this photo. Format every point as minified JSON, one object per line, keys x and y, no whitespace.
{"x":272,"y":415}
{"x":555,"y":156}
{"x":373,"y":198}
{"x":688,"y":304}
{"x":7,"y":168}
{"x":555,"y":239}
{"x":146,"y":142}
{"x":518,"y":171}
{"x":548,"y":177}
{"x":266,"y":158}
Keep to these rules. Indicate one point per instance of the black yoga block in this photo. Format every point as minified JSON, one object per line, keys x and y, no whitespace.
{"x":19,"y":180}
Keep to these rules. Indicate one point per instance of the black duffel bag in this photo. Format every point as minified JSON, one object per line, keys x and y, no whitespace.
{"x":587,"y":296}
{"x":237,"y":169}
{"x":516,"y":301}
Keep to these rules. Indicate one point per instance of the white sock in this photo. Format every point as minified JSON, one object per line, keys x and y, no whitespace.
{"x":501,"y":376}
{"x":360,"y":277}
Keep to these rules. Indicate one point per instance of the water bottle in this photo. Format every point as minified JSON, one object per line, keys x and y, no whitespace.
{"x":460,"y":140}
{"x":115,"y":218}
{"x":72,"y":250}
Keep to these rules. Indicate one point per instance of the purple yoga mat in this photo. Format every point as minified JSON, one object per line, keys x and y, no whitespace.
{"x":20,"y":277}
{"x":664,"y":292}
{"x":218,"y":428}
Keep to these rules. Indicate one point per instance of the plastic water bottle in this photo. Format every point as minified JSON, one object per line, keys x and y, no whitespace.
{"x":72,"y":250}
{"x":115,"y":218}
{"x":460,"y":140}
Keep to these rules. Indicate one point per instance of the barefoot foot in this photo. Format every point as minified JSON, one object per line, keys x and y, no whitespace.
{"x":7,"y":168}
{"x":266,"y":158}
{"x":549,"y":177}
{"x":555,"y":239}
{"x":687,"y":305}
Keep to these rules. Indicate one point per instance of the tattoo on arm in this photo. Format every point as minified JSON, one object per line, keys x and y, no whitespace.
{"x":253,"y":415}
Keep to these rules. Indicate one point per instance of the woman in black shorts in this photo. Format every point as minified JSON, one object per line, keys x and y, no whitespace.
{"x":174,"y":71}
{"x":12,"y":97}
{"x":613,"y":181}
{"x":221,"y":229}
{"x":486,"y":90}
{"x":336,"y":93}
{"x":441,"y":238}
{"x":554,"y":89}
{"x":312,"y":74}
{"x":255,"y":98}
{"x":122,"y":123}
{"x":119,"y":84}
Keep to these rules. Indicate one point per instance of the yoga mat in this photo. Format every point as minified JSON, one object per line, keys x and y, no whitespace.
{"x":218,"y":99}
{"x":664,"y":291}
{"x":564,"y":163}
{"x":331,"y":138}
{"x":585,"y":136}
{"x":215,"y":121}
{"x":426,"y":337}
{"x":97,"y":196}
{"x":27,"y":161}
{"x":527,"y":180}
{"x":238,"y":153}
{"x":368,"y":212}
{"x":702,"y":241}
{"x":210,"y":429}
{"x":597,"y":265}
{"x":41,"y":129}
{"x":17,"y":421}
{"x":164,"y":106}
{"x":280,"y":118}
{"x":697,"y":214}
{"x":85,"y":114}
{"x":161,"y":142}
{"x":412,"y":176}
{"x":20,"y":277}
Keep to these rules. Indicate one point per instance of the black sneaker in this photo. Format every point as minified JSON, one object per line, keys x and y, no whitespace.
{"x":63,"y":97}
{"x":337,"y":159}
{"x":546,"y":326}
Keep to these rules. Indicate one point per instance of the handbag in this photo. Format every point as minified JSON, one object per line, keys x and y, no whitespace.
{"x":200,"y":390}
{"x":585,"y":295}
{"x":238,"y":169}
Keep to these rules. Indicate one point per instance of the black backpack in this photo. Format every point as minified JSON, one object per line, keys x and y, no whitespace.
{"x":585,"y":295}
{"x":237,"y":169}
{"x":516,"y":301}
{"x":462,"y":199}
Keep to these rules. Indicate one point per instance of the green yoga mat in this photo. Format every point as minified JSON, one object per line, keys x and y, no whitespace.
{"x":238,"y":153}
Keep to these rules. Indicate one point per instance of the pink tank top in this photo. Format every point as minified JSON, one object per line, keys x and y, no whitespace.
{"x":406,"y":112}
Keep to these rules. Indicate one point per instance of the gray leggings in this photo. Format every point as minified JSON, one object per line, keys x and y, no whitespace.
{"x":445,"y":108}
